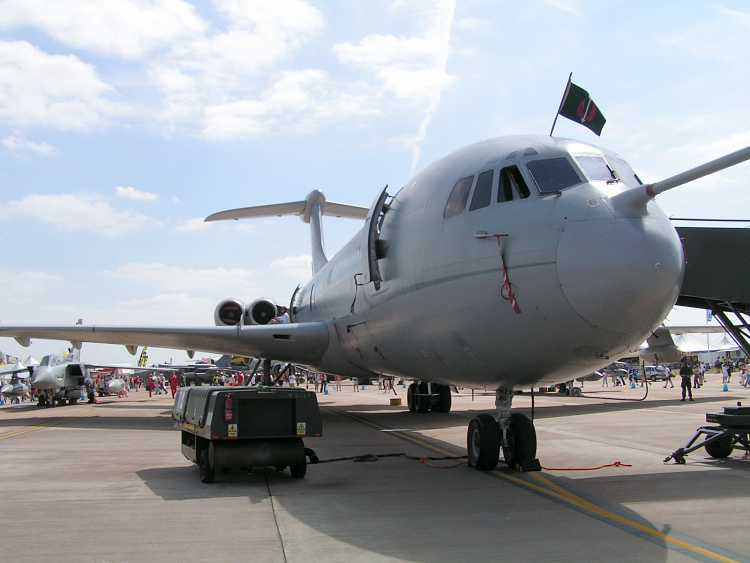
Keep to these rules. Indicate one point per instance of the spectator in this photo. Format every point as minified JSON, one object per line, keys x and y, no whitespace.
{"x":686,"y":373}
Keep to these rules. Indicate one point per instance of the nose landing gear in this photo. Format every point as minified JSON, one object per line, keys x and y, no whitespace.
{"x":513,"y":432}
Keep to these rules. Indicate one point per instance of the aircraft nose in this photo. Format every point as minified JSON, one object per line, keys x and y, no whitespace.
{"x":621,"y":274}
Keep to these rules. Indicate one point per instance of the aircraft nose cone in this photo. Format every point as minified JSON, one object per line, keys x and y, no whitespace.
{"x":622,"y":275}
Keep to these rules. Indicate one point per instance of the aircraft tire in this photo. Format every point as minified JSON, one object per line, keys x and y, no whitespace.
{"x":298,"y":470}
{"x":522,"y":438}
{"x":483,"y":442}
{"x":206,"y":469}
{"x":72,"y":401}
{"x":422,"y":404}
{"x":721,"y":448}
{"x":410,"y":397}
{"x":444,"y":399}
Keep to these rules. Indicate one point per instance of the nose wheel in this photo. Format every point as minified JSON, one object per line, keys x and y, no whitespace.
{"x":514,"y":433}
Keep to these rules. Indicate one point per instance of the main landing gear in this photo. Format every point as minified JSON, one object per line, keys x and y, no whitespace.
{"x":425,"y":397}
{"x":514,"y":433}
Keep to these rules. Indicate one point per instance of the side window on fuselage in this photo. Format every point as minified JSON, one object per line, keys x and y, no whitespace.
{"x":483,"y":191}
{"x":511,"y":182}
{"x":459,"y":195}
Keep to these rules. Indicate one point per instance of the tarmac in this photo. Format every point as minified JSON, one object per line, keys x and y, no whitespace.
{"x":107,"y":482}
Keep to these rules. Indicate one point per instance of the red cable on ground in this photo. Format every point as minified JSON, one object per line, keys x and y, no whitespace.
{"x":616,"y":463}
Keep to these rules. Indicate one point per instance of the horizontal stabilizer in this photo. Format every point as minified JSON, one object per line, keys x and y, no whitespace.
{"x":273,"y":210}
{"x":299,"y":208}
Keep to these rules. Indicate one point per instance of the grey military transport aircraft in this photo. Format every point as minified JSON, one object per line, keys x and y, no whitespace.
{"x":500,"y":250}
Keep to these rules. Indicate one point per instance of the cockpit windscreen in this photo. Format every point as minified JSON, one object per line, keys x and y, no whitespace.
{"x":553,"y":175}
{"x":596,"y":169}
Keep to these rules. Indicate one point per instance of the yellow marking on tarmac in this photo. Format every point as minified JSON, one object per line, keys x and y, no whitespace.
{"x":26,"y":430}
{"x":553,"y":490}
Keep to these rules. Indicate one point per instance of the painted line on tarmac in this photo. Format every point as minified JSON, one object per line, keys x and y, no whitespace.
{"x":21,"y":432}
{"x":548,"y":488}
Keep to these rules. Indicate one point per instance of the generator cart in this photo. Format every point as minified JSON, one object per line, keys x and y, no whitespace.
{"x":246,"y":427}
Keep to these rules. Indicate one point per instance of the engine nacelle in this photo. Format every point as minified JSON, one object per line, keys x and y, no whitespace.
{"x":260,"y":312}
{"x":229,"y":313}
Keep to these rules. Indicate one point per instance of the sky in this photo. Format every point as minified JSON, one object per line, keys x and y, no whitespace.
{"x":124,"y":123}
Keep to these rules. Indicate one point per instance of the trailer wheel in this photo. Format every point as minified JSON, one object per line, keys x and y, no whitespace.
{"x":721,"y":448}
{"x":298,"y":470}
{"x":204,"y":465}
{"x":410,"y":397}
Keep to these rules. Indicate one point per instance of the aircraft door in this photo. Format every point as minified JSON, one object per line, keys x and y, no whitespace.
{"x":374,"y":247}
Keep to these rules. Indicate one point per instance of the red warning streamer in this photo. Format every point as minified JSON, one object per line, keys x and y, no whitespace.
{"x":506,"y":287}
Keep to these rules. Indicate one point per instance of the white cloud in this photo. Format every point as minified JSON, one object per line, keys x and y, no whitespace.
{"x":127,"y":28}
{"x":20,"y":146}
{"x":195,"y":225}
{"x":59,"y":91}
{"x":221,"y":67}
{"x":298,"y":268}
{"x":297,"y":101}
{"x":219,"y":282}
{"x":129,"y":192}
{"x":470,"y":23}
{"x":73,"y":212}
{"x":413,"y":68}
{"x":723,"y":38}
{"x":572,"y":7}
{"x":24,"y":286}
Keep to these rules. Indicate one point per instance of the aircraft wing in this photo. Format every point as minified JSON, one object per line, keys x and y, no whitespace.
{"x":14,"y":370}
{"x":298,"y":342}
{"x":712,"y":329}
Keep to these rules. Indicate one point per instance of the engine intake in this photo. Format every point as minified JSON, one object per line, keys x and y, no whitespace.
{"x":260,"y":312}
{"x":229,"y":313}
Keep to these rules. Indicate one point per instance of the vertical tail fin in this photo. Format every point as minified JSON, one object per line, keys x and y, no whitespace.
{"x":310,"y":210}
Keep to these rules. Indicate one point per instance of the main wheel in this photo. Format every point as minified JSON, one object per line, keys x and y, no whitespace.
{"x":444,"y":399}
{"x":521,"y":446}
{"x":205,"y":467}
{"x":410,"y":397}
{"x":483,"y":442}
{"x":298,"y":470}
{"x":422,"y":404}
{"x":721,"y":448}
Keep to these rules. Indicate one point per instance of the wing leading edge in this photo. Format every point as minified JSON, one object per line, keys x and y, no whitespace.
{"x":302,"y":343}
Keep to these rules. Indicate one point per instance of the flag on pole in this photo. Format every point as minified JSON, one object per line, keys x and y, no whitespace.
{"x":578,"y":106}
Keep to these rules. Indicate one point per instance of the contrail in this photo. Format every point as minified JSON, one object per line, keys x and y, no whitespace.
{"x":442,"y":33}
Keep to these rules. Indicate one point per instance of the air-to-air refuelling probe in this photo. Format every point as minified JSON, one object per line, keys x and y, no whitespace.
{"x":509,"y":263}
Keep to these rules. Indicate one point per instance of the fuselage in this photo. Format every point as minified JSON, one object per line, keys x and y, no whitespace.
{"x":590,"y":278}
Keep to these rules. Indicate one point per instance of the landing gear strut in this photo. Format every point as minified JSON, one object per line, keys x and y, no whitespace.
{"x":425,"y":397}
{"x":513,"y":432}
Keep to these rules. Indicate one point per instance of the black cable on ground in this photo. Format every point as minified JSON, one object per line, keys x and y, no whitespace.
{"x":367,"y":458}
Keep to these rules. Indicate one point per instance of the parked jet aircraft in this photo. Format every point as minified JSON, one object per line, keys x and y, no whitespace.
{"x":661,"y":347}
{"x":499,"y":250}
{"x":58,"y":379}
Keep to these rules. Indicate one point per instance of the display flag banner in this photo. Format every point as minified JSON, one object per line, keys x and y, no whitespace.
{"x":578,"y":106}
{"x":143,"y":360}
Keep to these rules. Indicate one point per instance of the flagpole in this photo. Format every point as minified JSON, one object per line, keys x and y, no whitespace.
{"x":562,"y":100}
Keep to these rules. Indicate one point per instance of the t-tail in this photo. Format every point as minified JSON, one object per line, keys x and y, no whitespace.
{"x":310,"y":210}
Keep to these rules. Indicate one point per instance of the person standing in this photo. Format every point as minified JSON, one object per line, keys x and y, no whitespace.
{"x":686,"y":373}
{"x":668,"y":379}
{"x":725,"y":373}
{"x":173,"y":384}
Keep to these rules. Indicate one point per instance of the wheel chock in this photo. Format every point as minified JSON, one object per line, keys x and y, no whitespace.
{"x":531,"y":465}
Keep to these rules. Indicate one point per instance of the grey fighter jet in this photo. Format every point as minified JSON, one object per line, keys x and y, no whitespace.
{"x":512,"y":262}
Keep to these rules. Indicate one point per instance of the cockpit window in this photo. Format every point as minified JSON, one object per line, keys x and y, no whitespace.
{"x":459,"y":194}
{"x":511,"y":181}
{"x":45,"y":361}
{"x":596,"y":168}
{"x":553,"y":175}
{"x":483,"y":191}
{"x":625,"y":172}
